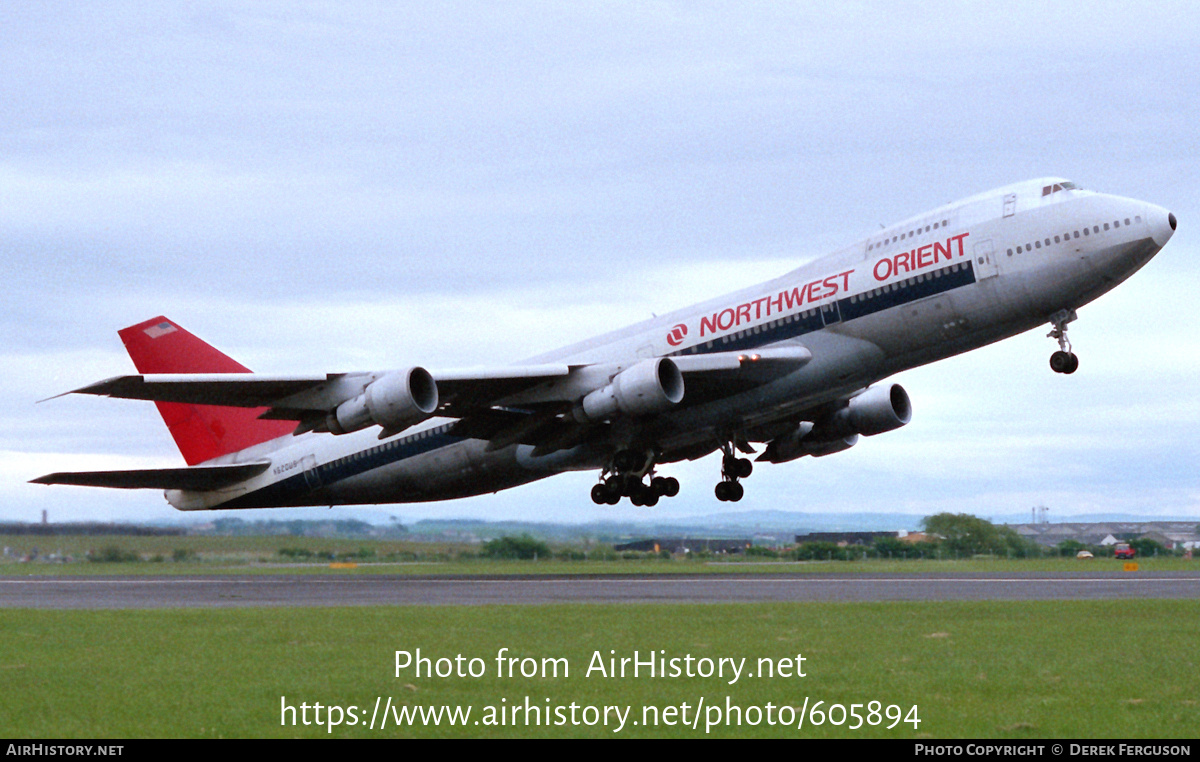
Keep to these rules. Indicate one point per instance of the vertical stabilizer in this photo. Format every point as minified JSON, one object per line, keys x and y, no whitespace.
{"x":202,"y":432}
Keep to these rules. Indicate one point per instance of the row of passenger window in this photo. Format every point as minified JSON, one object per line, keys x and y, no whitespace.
{"x":906,"y":283}
{"x":1067,"y":236}
{"x":767,"y":326}
{"x":909,"y":234}
{"x":392,"y":445}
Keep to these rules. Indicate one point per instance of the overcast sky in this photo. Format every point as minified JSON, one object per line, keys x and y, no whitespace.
{"x":344,"y":186}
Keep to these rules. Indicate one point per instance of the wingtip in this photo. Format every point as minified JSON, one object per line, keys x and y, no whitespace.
{"x":99,"y":387}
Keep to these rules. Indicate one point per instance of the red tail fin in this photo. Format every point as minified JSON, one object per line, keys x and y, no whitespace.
{"x":202,"y":432}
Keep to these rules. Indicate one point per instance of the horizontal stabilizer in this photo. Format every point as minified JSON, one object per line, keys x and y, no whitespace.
{"x":195,"y":478}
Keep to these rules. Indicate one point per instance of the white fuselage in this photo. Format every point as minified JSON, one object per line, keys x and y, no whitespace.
{"x":935,"y":285}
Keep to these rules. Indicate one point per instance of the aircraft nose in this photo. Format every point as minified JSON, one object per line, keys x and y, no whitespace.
{"x":1162,"y":224}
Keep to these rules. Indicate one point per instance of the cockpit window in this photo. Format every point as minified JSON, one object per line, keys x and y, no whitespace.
{"x":1048,"y":189}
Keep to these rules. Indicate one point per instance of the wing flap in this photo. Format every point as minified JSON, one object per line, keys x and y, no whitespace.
{"x":195,"y":478}
{"x":785,"y":358}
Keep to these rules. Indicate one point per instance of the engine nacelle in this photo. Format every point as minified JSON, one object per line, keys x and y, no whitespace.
{"x":394,"y":401}
{"x":798,"y":444}
{"x":821,"y":448}
{"x":878,"y":409}
{"x":651,"y":386}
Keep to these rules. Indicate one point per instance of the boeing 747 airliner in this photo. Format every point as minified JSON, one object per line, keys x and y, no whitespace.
{"x":792,"y":365}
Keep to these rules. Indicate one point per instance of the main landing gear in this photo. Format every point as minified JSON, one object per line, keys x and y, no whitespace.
{"x":627,"y":479}
{"x":1064,"y":360}
{"x":732,"y":469}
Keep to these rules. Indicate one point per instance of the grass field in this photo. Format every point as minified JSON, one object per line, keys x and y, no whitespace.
{"x":990,"y":670}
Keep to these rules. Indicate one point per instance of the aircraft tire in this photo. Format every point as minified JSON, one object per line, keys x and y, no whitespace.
{"x":736,"y":492}
{"x":672,"y":487}
{"x":1060,"y":361}
{"x":600,"y":494}
{"x":1072,"y":364}
{"x":722,"y":491}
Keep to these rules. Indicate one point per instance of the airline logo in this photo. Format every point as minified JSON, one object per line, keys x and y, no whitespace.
{"x":677,"y":335}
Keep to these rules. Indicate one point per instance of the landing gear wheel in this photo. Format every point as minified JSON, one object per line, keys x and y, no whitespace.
{"x":1060,"y":361}
{"x":729,"y":492}
{"x":607,"y":492}
{"x":1064,"y":362}
{"x":665,"y":486}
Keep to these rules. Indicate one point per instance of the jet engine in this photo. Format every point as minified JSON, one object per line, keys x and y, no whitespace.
{"x":394,"y":401}
{"x":875,"y":411}
{"x":651,"y":386}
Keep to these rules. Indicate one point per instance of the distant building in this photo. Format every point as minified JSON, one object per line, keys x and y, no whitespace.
{"x":685,"y":545}
{"x":88,"y":528}
{"x":1170,"y":534}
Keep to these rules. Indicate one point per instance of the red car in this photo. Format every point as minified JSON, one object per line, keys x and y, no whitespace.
{"x":1123,"y":550}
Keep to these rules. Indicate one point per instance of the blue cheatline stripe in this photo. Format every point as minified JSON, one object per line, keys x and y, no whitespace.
{"x":843,"y":310}
{"x":790,"y":326}
{"x":383,"y":454}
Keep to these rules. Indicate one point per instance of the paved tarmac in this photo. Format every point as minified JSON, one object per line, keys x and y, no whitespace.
{"x":388,"y":590}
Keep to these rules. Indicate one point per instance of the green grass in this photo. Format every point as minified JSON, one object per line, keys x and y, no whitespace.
{"x":998,"y":670}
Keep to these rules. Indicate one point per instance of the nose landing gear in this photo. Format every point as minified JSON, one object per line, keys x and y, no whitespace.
{"x":1064,"y":360}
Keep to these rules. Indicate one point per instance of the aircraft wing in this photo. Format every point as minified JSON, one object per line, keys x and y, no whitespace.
{"x":191,"y":478}
{"x":301,"y":397}
{"x":477,"y":393}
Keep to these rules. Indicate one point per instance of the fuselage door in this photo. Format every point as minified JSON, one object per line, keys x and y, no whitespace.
{"x":312,"y":477}
{"x":985,"y":260}
{"x":1010,"y":204}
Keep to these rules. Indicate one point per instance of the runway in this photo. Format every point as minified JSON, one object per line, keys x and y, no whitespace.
{"x":394,"y":590}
